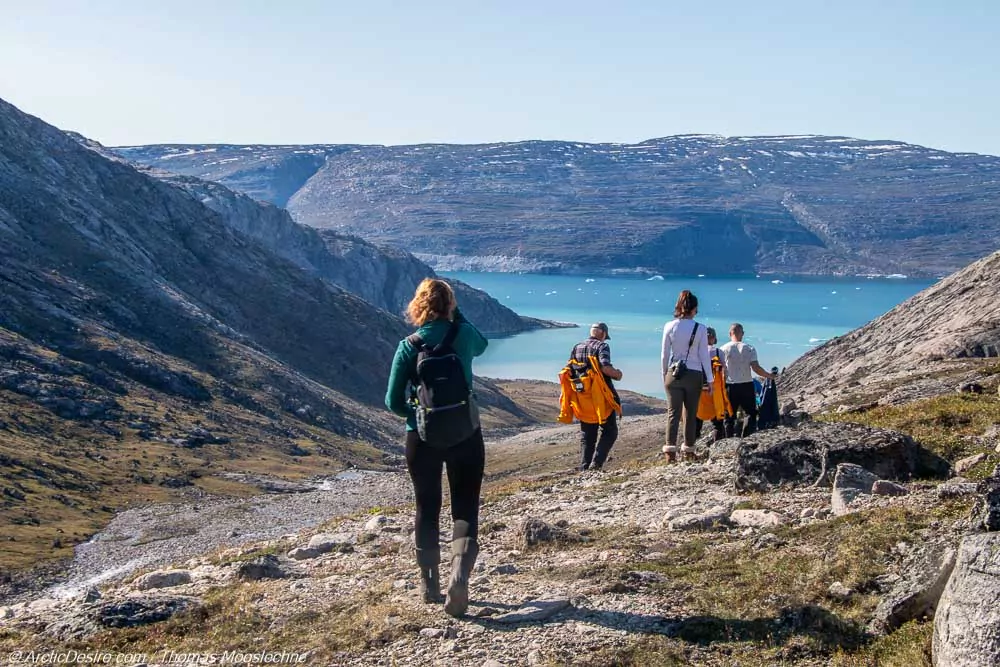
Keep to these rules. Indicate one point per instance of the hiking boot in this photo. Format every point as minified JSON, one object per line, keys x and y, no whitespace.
{"x":463,"y":557}
{"x":687,"y":454}
{"x":429,"y":562}
{"x":670,"y":453}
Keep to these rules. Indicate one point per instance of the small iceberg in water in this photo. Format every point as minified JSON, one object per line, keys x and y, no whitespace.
{"x":550,"y":293}
{"x":816,"y":340}
{"x":896,"y":276}
{"x":739,"y":289}
{"x":701,"y":275}
{"x":655,"y":278}
{"x":777,"y":282}
{"x":589,"y":280}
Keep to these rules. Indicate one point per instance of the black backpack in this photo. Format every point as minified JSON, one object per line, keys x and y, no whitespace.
{"x":441,"y":397}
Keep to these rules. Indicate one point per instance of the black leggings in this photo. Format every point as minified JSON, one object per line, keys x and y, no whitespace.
{"x":464,"y":462}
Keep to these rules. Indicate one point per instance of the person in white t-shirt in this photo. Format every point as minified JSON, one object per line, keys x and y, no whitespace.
{"x":685,"y":367}
{"x":740,"y":360}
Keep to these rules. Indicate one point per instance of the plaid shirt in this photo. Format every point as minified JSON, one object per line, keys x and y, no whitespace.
{"x":593,"y":348}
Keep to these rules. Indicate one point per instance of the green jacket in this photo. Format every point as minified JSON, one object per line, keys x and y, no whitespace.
{"x":469,"y":343}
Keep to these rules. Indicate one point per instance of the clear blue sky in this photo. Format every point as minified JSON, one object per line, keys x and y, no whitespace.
{"x":130,"y":72}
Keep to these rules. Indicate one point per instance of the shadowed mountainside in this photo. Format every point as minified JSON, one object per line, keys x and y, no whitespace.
{"x":148,"y":349}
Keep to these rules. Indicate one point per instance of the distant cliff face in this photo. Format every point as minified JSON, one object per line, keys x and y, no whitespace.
{"x":919,"y":346}
{"x":381,"y":275}
{"x":688,"y":204}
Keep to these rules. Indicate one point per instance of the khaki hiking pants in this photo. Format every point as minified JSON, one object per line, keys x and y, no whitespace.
{"x":683,"y":395}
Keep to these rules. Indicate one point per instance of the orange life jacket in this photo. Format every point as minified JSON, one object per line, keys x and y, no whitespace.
{"x":585,"y":393}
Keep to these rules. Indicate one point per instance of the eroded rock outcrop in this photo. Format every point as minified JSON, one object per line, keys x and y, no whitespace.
{"x":810,"y":453}
{"x":967,"y":623}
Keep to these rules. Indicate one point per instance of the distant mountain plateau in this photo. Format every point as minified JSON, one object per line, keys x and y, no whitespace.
{"x":807,"y":205}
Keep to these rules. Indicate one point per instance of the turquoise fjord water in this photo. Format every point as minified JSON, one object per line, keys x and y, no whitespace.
{"x":783,"y":320}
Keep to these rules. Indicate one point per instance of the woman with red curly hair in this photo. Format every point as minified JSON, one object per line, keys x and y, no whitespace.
{"x":435,"y":312}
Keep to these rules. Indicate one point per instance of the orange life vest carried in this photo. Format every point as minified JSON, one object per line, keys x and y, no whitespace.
{"x":585,"y":393}
{"x":715,"y":405}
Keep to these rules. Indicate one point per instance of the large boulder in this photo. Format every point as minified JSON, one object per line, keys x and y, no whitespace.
{"x":916,"y":594}
{"x":967,"y":622}
{"x":810,"y":453}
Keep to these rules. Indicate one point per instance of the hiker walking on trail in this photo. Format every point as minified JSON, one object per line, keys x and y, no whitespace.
{"x":714,"y":406}
{"x":740,"y":361}
{"x":442,"y":430}
{"x":594,"y":451}
{"x":685,"y":368}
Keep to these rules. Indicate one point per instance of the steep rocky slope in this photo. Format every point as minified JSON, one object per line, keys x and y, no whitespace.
{"x":925,"y":346}
{"x":800,"y":204}
{"x":149,"y":349}
{"x":379,"y":274}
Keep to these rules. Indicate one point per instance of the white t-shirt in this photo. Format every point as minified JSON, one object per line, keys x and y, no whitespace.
{"x":737,"y":358}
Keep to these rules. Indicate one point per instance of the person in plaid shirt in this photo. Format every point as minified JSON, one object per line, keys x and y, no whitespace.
{"x":595,"y":451}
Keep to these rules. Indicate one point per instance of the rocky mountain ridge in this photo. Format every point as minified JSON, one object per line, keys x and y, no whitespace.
{"x":797,"y":204}
{"x":928,"y":345}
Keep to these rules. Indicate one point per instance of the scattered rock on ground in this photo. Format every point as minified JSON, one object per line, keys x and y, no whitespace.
{"x":757,"y":518}
{"x":969,"y":462}
{"x":884,"y":487}
{"x":713,"y":519}
{"x":986,"y":513}
{"x":957,"y":489}
{"x":163,"y":579}
{"x":850,"y":482}
{"x":536,"y":610}
{"x":262,"y":567}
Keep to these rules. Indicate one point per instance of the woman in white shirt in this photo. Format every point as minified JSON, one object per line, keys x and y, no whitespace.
{"x":686,"y":368}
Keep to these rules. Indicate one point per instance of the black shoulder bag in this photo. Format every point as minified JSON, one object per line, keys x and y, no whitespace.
{"x":679,"y":367}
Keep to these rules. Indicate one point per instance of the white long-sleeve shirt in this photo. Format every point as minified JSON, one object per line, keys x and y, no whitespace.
{"x":676,"y":335}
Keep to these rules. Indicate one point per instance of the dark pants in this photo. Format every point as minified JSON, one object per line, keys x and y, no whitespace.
{"x":742,"y":395}
{"x":464,"y":463}
{"x":718,"y":429}
{"x":589,"y":441}
{"x":683,"y":395}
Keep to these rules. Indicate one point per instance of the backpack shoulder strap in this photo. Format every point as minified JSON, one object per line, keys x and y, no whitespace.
{"x":449,"y":338}
{"x":416,"y":341}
